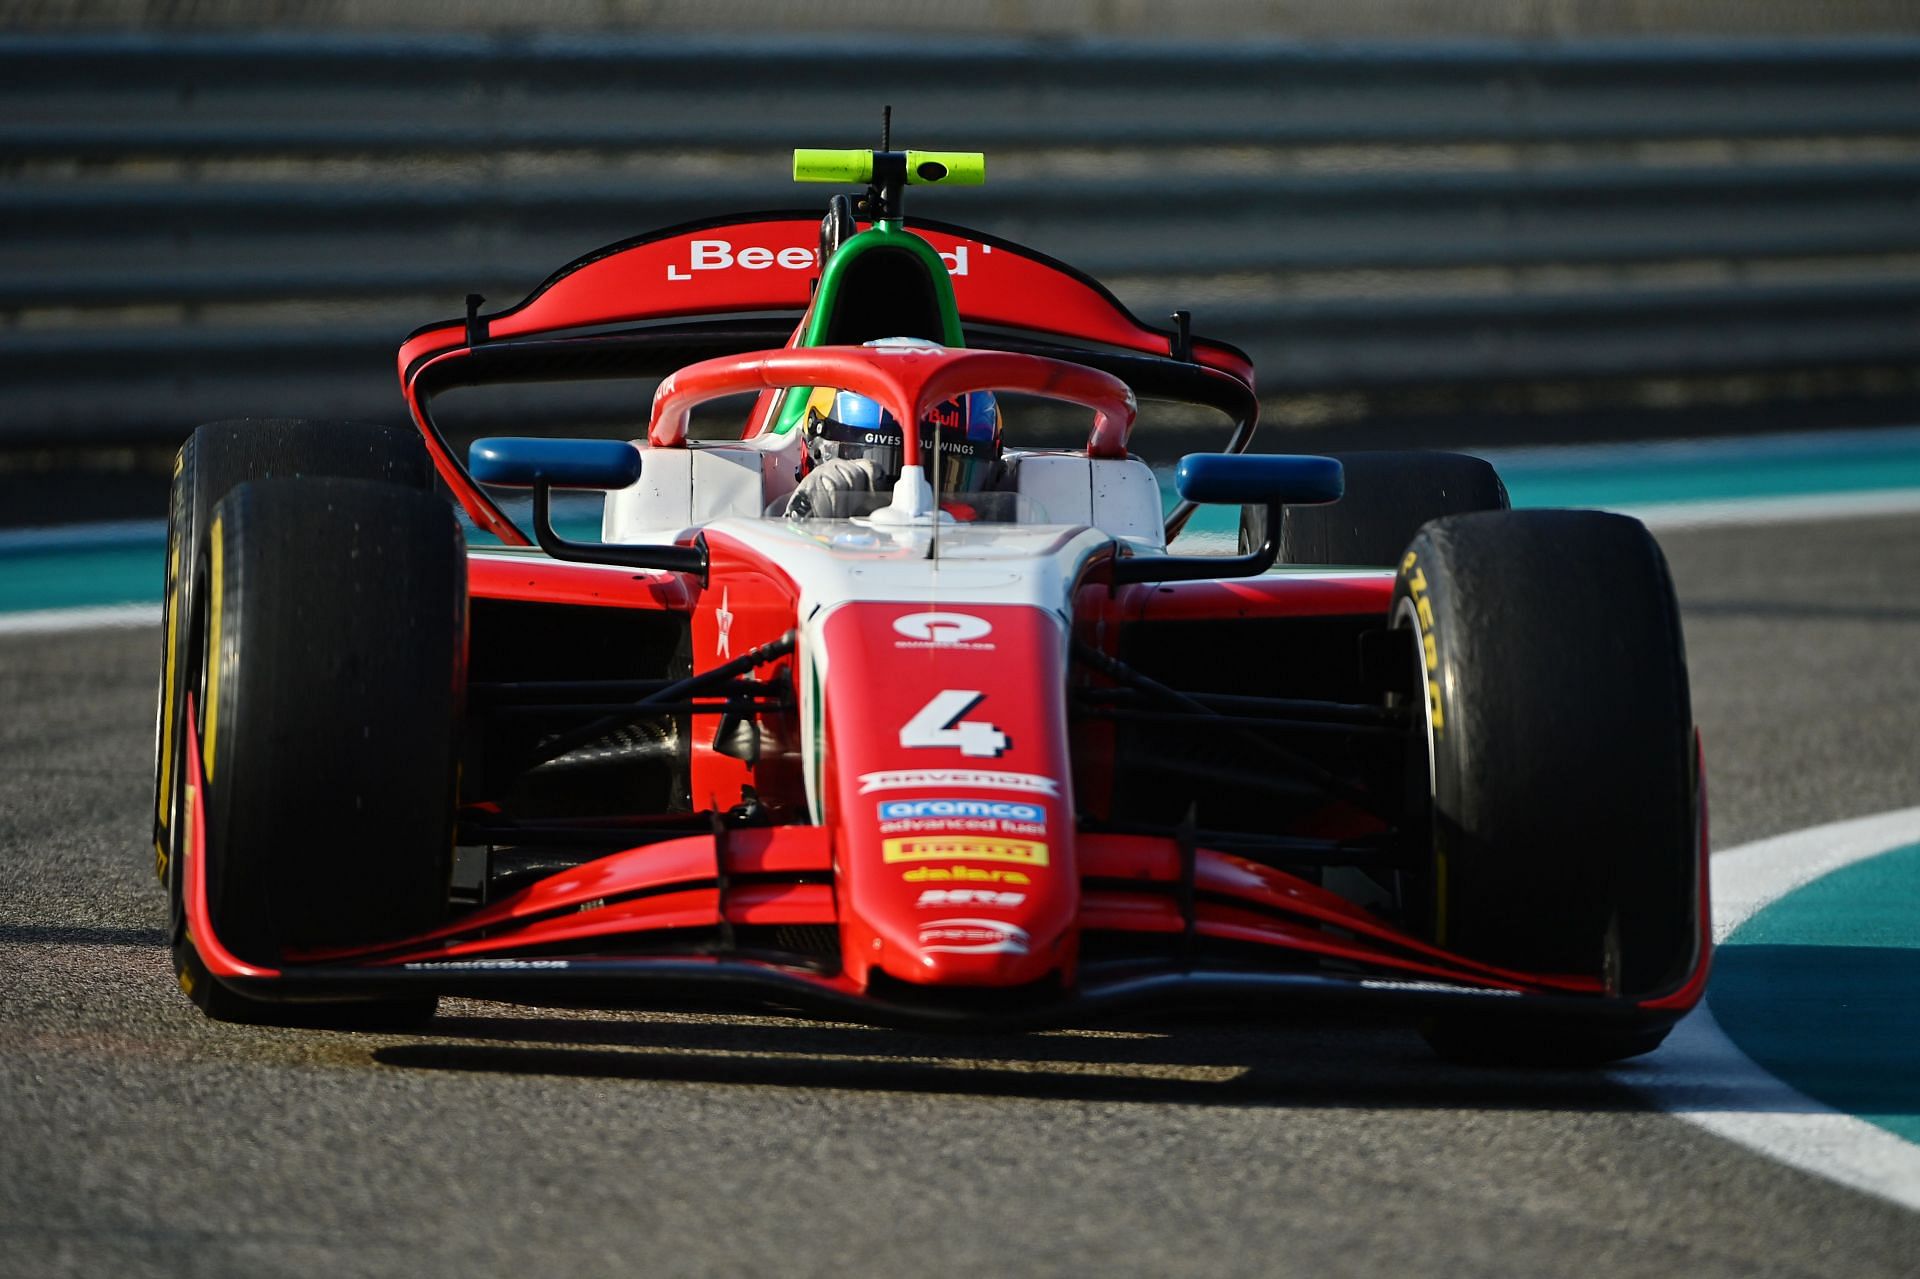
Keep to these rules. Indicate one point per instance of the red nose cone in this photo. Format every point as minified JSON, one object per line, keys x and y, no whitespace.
{"x":950,"y":793}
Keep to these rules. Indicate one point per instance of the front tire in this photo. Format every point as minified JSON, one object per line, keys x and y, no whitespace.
{"x":1559,"y":755}
{"x":328,"y":642}
{"x":215,"y":458}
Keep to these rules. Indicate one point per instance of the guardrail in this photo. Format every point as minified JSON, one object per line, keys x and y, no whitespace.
{"x":195,"y":226}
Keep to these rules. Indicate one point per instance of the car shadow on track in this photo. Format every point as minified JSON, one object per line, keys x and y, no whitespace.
{"x":1320,"y":1066}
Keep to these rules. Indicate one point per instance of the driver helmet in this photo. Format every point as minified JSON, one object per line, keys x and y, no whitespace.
{"x":845,"y":425}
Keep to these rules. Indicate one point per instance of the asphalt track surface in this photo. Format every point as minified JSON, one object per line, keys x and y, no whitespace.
{"x":137,"y":1138}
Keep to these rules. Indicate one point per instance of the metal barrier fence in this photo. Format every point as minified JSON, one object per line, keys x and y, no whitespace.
{"x":195,"y":226}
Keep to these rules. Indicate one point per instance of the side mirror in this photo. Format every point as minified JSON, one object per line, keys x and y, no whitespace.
{"x":1244,"y":479}
{"x":519,"y":462}
{"x":544,"y":465}
{"x":1272,"y":480}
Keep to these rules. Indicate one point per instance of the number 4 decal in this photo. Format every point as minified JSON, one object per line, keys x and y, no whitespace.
{"x":939,"y":724}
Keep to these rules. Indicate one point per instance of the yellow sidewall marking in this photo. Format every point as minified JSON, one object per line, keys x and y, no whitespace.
{"x":1416,"y":579}
{"x":216,"y":588}
{"x":1417,"y":590}
{"x":174,"y":556}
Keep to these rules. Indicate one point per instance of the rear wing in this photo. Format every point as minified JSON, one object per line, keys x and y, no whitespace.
{"x":768,"y":262}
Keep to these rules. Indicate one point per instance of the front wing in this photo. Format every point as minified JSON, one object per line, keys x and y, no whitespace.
{"x":681,"y":920}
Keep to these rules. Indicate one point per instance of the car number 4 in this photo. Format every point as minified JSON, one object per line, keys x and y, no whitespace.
{"x":939,"y":723}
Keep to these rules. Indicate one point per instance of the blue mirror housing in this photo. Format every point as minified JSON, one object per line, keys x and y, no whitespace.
{"x":1264,"y":481}
{"x":521,"y":462}
{"x":1242,"y":479}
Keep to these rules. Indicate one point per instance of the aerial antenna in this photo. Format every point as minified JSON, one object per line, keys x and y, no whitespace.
{"x":886,"y":127}
{"x":933,"y":545}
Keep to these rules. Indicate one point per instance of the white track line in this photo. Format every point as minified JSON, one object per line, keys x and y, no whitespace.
{"x":102,"y":617}
{"x":1797,"y":508}
{"x":1699,"y":1075}
{"x":77,"y":537}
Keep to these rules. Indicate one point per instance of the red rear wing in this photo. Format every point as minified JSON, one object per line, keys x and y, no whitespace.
{"x":768,"y":262}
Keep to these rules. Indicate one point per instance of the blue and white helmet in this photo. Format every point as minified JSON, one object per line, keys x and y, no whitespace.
{"x":846,"y":425}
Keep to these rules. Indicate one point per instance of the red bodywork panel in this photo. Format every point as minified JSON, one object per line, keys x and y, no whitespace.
{"x":546,"y":581}
{"x":1279,"y":595}
{"x":747,"y":601}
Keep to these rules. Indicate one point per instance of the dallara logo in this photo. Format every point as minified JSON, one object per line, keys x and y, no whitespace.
{"x":1025,"y":852}
{"x":963,"y":875}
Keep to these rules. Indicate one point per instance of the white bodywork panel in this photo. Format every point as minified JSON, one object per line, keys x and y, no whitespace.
{"x":683,"y":487}
{"x":1115,"y":495}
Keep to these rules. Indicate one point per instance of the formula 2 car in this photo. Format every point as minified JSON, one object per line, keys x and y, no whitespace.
{"x":909,"y":756}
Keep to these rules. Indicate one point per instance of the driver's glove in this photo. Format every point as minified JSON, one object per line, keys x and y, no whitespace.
{"x":827,"y":481}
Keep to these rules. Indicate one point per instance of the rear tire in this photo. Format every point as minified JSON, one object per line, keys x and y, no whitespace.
{"x":328,"y":639}
{"x":213,"y":460}
{"x":1559,"y":750}
{"x":1389,"y":495}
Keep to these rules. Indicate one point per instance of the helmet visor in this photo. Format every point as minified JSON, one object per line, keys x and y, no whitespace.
{"x":966,"y":451}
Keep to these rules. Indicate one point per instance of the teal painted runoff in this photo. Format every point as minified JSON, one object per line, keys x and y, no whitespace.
{"x":1822,"y":988}
{"x":80,"y":577}
{"x":1649,"y":474}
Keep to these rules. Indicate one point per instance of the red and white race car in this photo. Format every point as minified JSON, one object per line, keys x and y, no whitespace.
{"x":906,"y":751}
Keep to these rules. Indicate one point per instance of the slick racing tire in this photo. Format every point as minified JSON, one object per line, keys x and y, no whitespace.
{"x":214,"y":458}
{"x":1388,"y":497}
{"x":326,"y":653}
{"x":1556,"y":743}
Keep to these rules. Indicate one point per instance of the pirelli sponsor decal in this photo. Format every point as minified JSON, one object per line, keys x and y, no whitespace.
{"x":974,"y":848}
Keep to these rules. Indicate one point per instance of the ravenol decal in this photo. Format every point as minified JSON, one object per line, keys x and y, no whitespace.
{"x":894,"y":810}
{"x":917,"y":848}
{"x":964,"y":875}
{"x":964,"y":778}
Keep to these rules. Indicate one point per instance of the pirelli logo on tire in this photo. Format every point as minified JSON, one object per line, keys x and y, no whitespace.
{"x":1416,"y":581}
{"x":969,"y":848}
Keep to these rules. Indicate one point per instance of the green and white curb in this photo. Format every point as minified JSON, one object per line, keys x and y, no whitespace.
{"x":1702,"y":1076}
